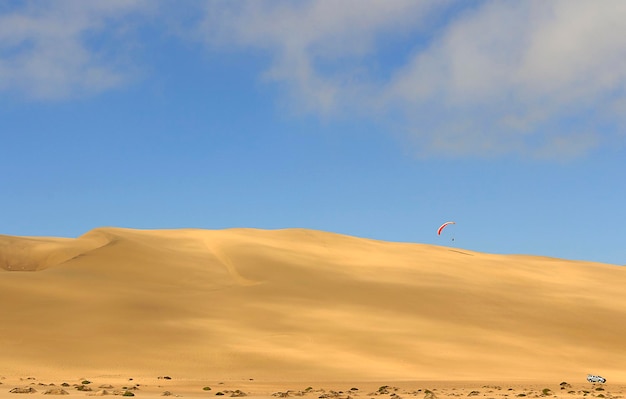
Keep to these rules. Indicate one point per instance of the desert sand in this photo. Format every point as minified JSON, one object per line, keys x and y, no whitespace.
{"x":265,"y":312}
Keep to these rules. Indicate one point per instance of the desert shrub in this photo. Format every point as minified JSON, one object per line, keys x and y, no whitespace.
{"x":206,"y":388}
{"x":128,"y":393}
{"x":23,"y":390}
{"x":56,"y":391}
{"x":428,"y":394}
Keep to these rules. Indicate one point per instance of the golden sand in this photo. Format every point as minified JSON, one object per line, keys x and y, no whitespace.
{"x":157,"y":387}
{"x":265,"y":311}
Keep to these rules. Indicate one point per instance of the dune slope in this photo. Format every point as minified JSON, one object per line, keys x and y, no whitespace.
{"x":303,"y":305}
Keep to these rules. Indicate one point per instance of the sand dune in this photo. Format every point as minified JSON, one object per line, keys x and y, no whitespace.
{"x":302,"y":305}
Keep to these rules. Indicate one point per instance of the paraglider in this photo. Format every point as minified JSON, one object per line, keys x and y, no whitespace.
{"x":443,"y":226}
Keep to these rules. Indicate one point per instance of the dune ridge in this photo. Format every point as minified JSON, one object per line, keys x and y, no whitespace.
{"x":38,"y":253}
{"x":302,"y":305}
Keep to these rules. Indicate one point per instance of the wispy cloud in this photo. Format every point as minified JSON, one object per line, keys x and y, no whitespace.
{"x":52,"y":50}
{"x":319,"y":48}
{"x":485,"y":78}
{"x":519,"y":77}
{"x":492,"y":78}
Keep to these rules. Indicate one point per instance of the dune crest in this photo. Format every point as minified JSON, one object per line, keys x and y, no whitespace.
{"x":302,"y":305}
{"x":38,"y":253}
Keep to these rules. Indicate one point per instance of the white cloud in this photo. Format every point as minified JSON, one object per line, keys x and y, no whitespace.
{"x":483,"y":78}
{"x":44,"y":49}
{"x":495,"y":78}
{"x":510,"y":73}
{"x":308,"y":37}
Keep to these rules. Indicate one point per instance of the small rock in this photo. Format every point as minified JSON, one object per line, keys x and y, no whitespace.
{"x":101,"y":392}
{"x":56,"y":391}
{"x":23,"y":390}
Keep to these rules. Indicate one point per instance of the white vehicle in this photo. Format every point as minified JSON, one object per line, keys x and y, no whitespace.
{"x":595,"y":378}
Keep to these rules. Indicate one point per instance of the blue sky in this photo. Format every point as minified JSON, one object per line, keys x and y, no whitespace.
{"x":379,"y":119}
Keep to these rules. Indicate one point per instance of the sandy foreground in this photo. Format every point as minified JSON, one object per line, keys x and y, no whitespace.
{"x":158,"y":387}
{"x":265,"y":312}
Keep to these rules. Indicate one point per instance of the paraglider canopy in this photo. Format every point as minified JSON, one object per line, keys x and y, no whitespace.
{"x":443,"y":226}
